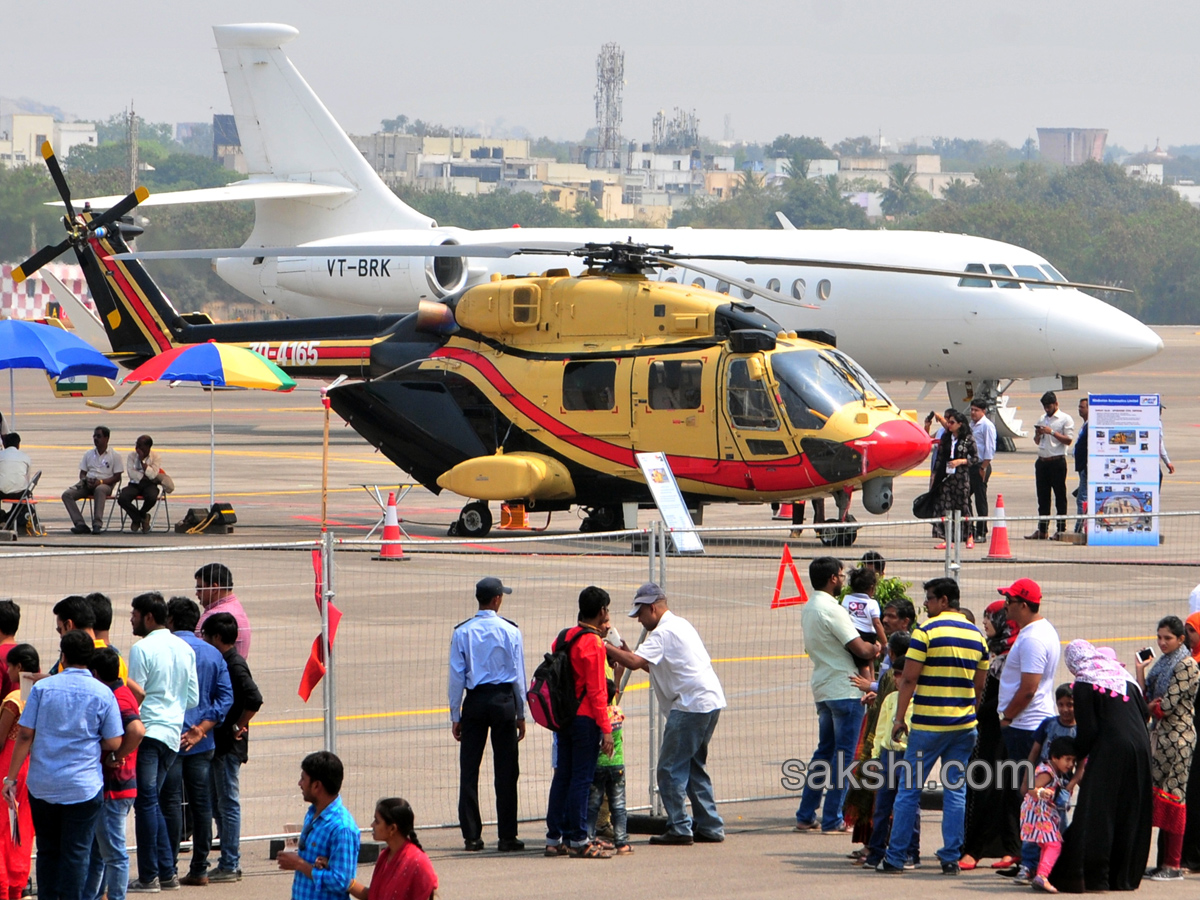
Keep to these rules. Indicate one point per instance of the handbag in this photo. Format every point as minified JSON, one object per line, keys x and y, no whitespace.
{"x":925,"y":506}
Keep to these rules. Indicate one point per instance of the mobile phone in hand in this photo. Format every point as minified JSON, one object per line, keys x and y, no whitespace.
{"x":1145,"y":654}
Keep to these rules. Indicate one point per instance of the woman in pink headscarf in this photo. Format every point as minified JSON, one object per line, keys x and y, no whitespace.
{"x":1106,"y":846}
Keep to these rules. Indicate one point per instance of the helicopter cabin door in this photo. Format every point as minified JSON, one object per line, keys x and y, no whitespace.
{"x":594,"y":400}
{"x":752,"y":429}
{"x":673,"y":399}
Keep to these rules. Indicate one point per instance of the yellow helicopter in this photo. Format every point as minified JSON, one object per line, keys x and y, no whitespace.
{"x":538,"y":391}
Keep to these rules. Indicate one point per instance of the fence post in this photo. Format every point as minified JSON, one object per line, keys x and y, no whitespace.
{"x":328,"y":682}
{"x":956,"y":564}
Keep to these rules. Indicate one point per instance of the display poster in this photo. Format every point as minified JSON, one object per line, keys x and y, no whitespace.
{"x":1123,"y":446}
{"x":669,"y":500}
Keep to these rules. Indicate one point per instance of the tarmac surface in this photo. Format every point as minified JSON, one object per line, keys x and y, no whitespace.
{"x":268,"y":464}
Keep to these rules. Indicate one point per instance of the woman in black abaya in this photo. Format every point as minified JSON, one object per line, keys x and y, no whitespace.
{"x":1107,"y":844}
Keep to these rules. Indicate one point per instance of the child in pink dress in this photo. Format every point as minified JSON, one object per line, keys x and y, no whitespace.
{"x":1039,"y":812}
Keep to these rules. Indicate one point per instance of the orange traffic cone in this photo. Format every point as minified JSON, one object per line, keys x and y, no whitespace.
{"x":391,"y":532}
{"x":999,"y":548}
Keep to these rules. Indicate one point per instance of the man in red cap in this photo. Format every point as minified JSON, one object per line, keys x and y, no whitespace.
{"x":1027,"y":682}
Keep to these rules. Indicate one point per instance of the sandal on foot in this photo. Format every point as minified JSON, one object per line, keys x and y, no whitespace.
{"x":589,"y":851}
{"x":555,"y":850}
{"x":1006,"y":862}
{"x":624,"y":850}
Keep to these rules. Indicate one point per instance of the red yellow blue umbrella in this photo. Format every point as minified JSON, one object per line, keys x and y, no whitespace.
{"x":214,"y":365}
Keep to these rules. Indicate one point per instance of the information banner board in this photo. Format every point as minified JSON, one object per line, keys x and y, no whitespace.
{"x":669,"y":500}
{"x":1124,"y":431}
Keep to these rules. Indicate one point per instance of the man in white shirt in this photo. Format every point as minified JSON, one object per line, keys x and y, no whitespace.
{"x":144,"y":475}
{"x":99,"y":472}
{"x":1053,"y":434}
{"x":14,"y":467}
{"x":1027,"y":681}
{"x":984,"y":433}
{"x":685,"y":684}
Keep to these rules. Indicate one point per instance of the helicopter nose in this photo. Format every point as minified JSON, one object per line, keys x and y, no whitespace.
{"x":896,"y":446}
{"x":1102,"y":333}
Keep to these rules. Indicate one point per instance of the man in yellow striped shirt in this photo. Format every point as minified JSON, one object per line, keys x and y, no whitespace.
{"x":943,"y":677}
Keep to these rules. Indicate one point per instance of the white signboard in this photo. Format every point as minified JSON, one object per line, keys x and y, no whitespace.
{"x":669,"y":500}
{"x":1124,"y":431}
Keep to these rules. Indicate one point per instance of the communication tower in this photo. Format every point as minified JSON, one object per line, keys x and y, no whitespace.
{"x":610,"y":79}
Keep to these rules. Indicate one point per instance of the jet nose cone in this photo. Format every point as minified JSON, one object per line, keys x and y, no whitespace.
{"x":896,"y":447}
{"x":1098,"y":338}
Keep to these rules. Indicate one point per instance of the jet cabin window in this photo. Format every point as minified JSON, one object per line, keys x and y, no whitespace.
{"x":814,"y":384}
{"x":675,"y":384}
{"x":589,"y":385}
{"x":749,"y":404}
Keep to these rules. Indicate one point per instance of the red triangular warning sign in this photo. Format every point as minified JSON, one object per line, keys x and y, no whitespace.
{"x":786,"y":565}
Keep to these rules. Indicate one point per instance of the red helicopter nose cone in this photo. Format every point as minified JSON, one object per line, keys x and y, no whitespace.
{"x":898,"y":446}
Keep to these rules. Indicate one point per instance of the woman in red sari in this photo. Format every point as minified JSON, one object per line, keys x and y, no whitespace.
{"x":15,"y":858}
{"x":403,"y":871}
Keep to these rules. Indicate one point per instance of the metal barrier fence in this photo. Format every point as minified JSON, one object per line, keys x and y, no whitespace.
{"x":386,"y":711}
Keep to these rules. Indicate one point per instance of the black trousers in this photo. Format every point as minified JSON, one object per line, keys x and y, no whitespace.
{"x":979,"y":486}
{"x":147,"y":490}
{"x":488,"y":707}
{"x":1051,"y":475}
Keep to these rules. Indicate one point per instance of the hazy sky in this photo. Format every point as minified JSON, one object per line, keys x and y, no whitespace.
{"x":984,"y":69}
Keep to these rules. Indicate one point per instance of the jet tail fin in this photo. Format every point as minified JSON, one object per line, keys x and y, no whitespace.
{"x":287,"y":134}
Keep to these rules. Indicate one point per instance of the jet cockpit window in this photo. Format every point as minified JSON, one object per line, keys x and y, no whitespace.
{"x":675,"y":384}
{"x":589,"y":385}
{"x":999,"y":269}
{"x":1033,"y":272}
{"x":749,"y":404}
{"x":814,"y":384}
{"x":1054,"y":274}
{"x":975,"y":282}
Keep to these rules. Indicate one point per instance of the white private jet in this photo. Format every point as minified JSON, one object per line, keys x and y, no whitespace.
{"x":972,"y":327}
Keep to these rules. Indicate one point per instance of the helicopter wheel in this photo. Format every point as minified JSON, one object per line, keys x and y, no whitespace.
{"x":475,"y":521}
{"x":603,"y":518}
{"x":840,"y":537}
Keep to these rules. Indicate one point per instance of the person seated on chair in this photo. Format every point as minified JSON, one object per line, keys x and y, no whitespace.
{"x":14,"y":472}
{"x":99,"y":472}
{"x":145,"y":481}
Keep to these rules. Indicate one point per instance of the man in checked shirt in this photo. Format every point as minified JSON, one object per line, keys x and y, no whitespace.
{"x":327,"y":857}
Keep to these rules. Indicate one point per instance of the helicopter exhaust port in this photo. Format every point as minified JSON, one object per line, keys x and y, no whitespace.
{"x":877,"y":495}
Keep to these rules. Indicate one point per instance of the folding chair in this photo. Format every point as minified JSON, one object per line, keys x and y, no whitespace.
{"x":89,"y":502}
{"x":162,"y":502}
{"x":24,"y":499}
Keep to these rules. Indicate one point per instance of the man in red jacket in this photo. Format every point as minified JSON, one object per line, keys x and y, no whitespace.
{"x":580,"y":743}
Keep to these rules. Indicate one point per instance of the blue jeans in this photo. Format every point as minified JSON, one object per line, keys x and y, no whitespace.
{"x":885,"y":800}
{"x":155,"y":858}
{"x":566,"y":810}
{"x":226,"y":792}
{"x":682,"y":774}
{"x":609,"y":781}
{"x":924,"y":749}
{"x":64,"y":840}
{"x":1018,"y":742}
{"x":108,"y":872}
{"x":194,"y":771}
{"x":1080,"y":500}
{"x":839,"y":723}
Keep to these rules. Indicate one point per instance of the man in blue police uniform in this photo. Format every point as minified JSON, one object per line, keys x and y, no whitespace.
{"x":487,"y":660}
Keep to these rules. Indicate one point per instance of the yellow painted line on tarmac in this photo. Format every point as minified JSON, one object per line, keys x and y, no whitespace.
{"x":245,"y":454}
{"x":732,"y":659}
{"x":143,"y":412}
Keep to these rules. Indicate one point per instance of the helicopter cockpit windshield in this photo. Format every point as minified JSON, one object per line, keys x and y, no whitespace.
{"x":814,"y":384}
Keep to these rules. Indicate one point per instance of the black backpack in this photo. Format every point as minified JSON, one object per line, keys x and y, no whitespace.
{"x":551,"y":694}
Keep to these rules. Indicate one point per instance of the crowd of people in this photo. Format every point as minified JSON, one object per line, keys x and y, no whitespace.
{"x":1013,"y":746}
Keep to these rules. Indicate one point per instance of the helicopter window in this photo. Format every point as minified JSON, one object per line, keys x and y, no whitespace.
{"x":722,"y":287}
{"x":589,"y":385}
{"x":823,"y":289}
{"x":525,"y":305}
{"x":815,"y":384}
{"x":773,"y":285}
{"x":998,"y":269}
{"x":699,"y":282}
{"x":798,"y":287}
{"x":1054,"y":274}
{"x":1033,"y":272}
{"x":975,"y":282}
{"x":746,"y":292}
{"x":749,"y":404}
{"x":675,"y":384}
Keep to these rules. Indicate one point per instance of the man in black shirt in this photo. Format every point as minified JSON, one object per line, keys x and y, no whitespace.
{"x":232,"y":739}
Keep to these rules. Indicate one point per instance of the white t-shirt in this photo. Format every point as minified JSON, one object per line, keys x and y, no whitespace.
{"x":1035,"y":650}
{"x":862,"y":610}
{"x":101,"y":466}
{"x":681,"y":670}
{"x":14,"y":470}
{"x":1194,"y":600}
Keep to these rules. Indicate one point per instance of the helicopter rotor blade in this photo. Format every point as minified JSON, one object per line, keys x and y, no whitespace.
{"x":112,"y":214}
{"x":60,"y":180}
{"x":764,"y":292}
{"x":487,"y":251}
{"x":46,"y":254}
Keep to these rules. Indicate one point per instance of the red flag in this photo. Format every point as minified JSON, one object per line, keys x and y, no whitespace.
{"x":314,"y":669}
{"x":787,"y":565}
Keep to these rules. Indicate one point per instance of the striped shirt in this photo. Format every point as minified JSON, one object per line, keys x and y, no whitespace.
{"x":951,"y":651}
